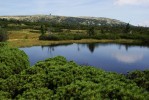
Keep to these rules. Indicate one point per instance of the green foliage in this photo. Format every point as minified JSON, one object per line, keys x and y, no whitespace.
{"x":3,"y":35}
{"x":140,"y":77}
{"x":3,"y":44}
{"x":56,"y":29}
{"x":55,"y":78}
{"x":98,"y":30}
{"x":4,"y":95}
{"x":102,"y":31}
{"x":43,"y":29}
{"x":12,"y":61}
{"x":71,"y":36}
{"x":127,"y":28}
{"x":142,"y":37}
{"x":63,"y":36}
{"x":36,"y":94}
{"x":5,"y":71}
{"x":91,"y":31}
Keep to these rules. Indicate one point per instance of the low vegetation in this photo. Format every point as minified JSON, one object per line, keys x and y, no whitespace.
{"x":3,"y":35}
{"x":56,"y":78}
{"x":140,"y":77}
{"x":12,"y":61}
{"x":67,"y":36}
{"x":37,"y":32}
{"x":64,"y":36}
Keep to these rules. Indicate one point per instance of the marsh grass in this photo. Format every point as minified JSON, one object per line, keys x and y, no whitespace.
{"x":36,"y":42}
{"x":21,"y":34}
{"x":30,"y":37}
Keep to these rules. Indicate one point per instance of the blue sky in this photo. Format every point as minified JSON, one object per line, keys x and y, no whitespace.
{"x":134,"y":11}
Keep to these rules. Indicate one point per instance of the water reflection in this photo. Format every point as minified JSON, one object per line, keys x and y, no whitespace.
{"x":128,"y":58}
{"x":119,"y":58}
{"x":91,"y":47}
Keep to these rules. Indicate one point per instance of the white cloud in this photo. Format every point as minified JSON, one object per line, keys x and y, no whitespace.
{"x":128,"y":58}
{"x":131,"y":2}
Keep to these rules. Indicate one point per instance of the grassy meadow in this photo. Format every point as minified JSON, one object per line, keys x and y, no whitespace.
{"x":26,"y":33}
{"x":29,"y":37}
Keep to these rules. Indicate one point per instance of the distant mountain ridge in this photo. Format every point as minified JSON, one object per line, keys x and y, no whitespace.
{"x":84,"y":20}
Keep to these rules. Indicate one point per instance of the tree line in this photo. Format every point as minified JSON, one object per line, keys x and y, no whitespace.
{"x":95,"y":31}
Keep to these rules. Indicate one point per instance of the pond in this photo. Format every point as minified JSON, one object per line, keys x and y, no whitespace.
{"x":118,"y":58}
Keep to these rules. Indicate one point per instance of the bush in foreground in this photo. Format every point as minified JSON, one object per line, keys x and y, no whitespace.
{"x":141,"y":78}
{"x":12,"y":61}
{"x":55,"y":78}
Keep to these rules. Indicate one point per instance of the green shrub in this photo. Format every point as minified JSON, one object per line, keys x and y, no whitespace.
{"x":58,"y":79}
{"x":62,"y":37}
{"x":3,"y":35}
{"x":4,"y":95}
{"x":12,"y":61}
{"x":5,"y":71}
{"x":55,"y":78}
{"x":37,"y":94}
{"x":56,"y":30}
{"x":141,"y":78}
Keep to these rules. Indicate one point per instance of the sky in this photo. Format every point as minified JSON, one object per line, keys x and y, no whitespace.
{"x":135,"y":12}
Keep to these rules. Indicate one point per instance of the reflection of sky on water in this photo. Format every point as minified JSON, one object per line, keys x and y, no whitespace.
{"x":128,"y":58}
{"x":110,"y":57}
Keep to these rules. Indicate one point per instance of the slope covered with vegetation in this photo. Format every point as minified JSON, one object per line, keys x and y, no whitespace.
{"x":34,"y":30}
{"x":66,"y":19}
{"x":56,"y":78}
{"x":62,"y":28}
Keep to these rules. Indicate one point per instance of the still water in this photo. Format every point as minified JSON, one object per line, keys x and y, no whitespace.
{"x":110,"y":57}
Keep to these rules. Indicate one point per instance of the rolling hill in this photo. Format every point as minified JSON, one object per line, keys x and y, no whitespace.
{"x":66,"y":19}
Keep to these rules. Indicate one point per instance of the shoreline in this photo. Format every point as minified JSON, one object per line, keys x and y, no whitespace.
{"x":36,"y":42}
